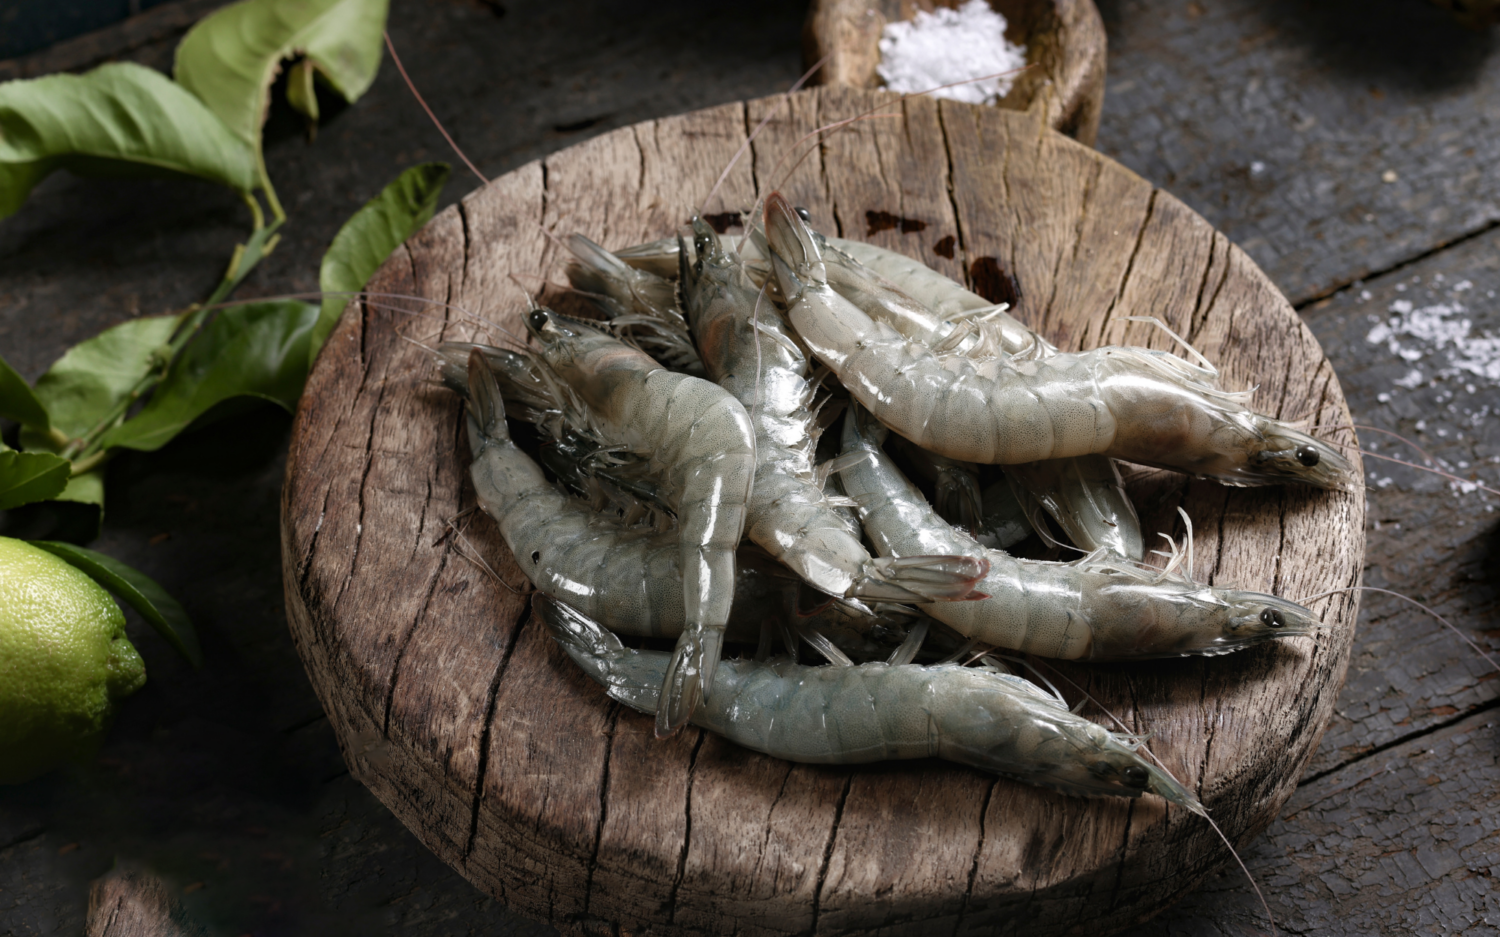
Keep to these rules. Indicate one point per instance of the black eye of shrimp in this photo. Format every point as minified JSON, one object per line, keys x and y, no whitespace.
{"x":1307,"y":455}
{"x":1136,"y":776}
{"x":1272,"y":618}
{"x":803,"y":214}
{"x":538,"y":319}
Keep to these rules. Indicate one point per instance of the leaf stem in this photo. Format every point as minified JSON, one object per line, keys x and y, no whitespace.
{"x":88,"y":464}
{"x":191,"y":319}
{"x":270,"y":190}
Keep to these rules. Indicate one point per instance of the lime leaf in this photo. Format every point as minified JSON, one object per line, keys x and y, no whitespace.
{"x":137,"y":590}
{"x":31,"y":476}
{"x":231,"y":57}
{"x":93,"y":376}
{"x":17,"y":400}
{"x":117,"y":117}
{"x":255,"y":350}
{"x":369,"y":236}
{"x":87,"y":488}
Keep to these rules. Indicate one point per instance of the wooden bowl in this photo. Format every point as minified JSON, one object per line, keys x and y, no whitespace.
{"x":454,"y":706}
{"x":1064,"y":41}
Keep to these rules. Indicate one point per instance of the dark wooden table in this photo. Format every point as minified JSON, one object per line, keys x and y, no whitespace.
{"x":1349,"y":145}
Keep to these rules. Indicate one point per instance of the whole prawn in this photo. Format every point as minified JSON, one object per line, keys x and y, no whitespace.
{"x":697,"y":438}
{"x":1083,"y":494}
{"x":1091,"y":608}
{"x":1126,"y":403}
{"x":749,"y":349}
{"x":877,"y":711}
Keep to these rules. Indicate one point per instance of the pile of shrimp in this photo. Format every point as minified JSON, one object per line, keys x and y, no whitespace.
{"x":723,"y":456}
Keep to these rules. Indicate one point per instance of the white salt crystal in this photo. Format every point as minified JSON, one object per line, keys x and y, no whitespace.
{"x":947,"y":46}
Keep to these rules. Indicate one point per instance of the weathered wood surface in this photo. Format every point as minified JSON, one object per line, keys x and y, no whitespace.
{"x":1064,"y":39}
{"x":135,"y":904}
{"x":1394,"y":828}
{"x":462,"y":717}
{"x":1331,"y":140}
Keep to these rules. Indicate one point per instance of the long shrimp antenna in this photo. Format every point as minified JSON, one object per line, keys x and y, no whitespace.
{"x":1375,"y":429}
{"x":1446,"y":623}
{"x":390,"y":47}
{"x":1464,"y":482}
{"x":1423,"y":468}
{"x":1265,"y":905}
{"x":806,"y":76}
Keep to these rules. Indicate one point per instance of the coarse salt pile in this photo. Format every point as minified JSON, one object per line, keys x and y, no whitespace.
{"x":949,"y":46}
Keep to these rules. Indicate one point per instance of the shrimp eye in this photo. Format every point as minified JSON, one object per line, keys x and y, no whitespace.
{"x":803,"y":214}
{"x":1272,"y":618}
{"x":538,"y":319}
{"x":1307,"y":455}
{"x":1136,"y":776}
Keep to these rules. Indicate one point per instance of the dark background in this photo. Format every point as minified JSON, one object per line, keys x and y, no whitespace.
{"x":1350,"y":147}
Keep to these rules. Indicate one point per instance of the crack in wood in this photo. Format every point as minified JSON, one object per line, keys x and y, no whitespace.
{"x":1140,"y":238}
{"x":687,"y":828}
{"x":1384,"y":747}
{"x":833,"y":834}
{"x":984,"y":808}
{"x":609,"y":747}
{"x":1409,"y":261}
{"x":958,"y":218}
{"x":493,"y":696}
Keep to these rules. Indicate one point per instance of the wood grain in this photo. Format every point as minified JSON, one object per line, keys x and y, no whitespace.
{"x":458,"y":712}
{"x":1064,"y":40}
{"x":135,"y":904}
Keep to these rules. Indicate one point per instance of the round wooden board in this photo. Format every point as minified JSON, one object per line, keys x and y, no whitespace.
{"x":1064,"y":39}
{"x":453,"y":705}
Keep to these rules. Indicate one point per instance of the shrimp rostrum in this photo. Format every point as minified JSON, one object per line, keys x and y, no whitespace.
{"x":876,"y":711}
{"x":1127,"y":403}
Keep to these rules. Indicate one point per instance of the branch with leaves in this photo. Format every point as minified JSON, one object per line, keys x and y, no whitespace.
{"x":139,"y":384}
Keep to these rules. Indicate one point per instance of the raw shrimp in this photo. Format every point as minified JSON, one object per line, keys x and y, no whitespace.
{"x":640,"y":306}
{"x":949,"y":302}
{"x":1127,"y":403}
{"x":1087,"y":497}
{"x":752,"y":353}
{"x":1084,"y":494}
{"x":875,"y":711}
{"x":1093,"y":608}
{"x":955,"y":484}
{"x":698,"y":441}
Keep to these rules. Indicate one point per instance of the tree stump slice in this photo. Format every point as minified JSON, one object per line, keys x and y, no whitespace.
{"x":454,"y":706}
{"x":1064,"y":39}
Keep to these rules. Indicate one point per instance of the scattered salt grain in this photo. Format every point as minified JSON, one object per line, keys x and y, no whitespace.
{"x":1442,"y":330}
{"x":950,"y":46}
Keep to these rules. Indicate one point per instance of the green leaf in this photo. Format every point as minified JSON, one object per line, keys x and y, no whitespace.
{"x":369,"y":236}
{"x":17,"y":400}
{"x":116,"y":117}
{"x":93,"y":376}
{"x":136,"y":589}
{"x":31,"y":476}
{"x":231,"y":57}
{"x":87,"y":488}
{"x":255,"y":350}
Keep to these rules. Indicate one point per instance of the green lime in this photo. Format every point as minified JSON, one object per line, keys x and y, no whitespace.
{"x":64,"y":661}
